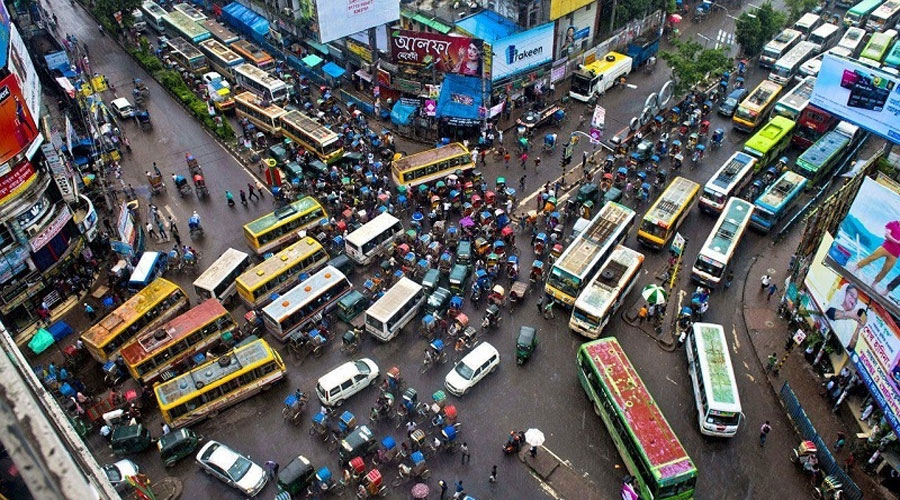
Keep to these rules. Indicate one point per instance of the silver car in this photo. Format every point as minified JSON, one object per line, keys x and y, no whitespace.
{"x":119,"y":472}
{"x":232,"y":468}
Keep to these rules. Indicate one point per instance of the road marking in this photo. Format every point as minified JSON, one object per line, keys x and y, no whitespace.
{"x":171,"y":213}
{"x":737,"y":343}
{"x":750,"y":377}
{"x":670,"y":380}
{"x":560,"y":199}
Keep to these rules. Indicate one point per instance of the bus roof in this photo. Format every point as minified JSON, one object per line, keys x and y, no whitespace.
{"x":886,"y":9}
{"x":671,"y":200}
{"x":269,"y":107}
{"x":265,"y":269}
{"x":878,"y":45}
{"x":865,"y":7}
{"x":405,"y":289}
{"x":246,"y":356}
{"x":430,"y":156}
{"x":821,"y":153}
{"x":261,"y":75}
{"x":776,"y":194}
{"x":602,"y":65}
{"x":797,"y":52}
{"x":270,"y":219}
{"x":799,"y":96}
{"x":731,"y":172}
{"x":286,"y":304}
{"x":580,"y":254}
{"x":372,"y":228}
{"x":176,"y":329}
{"x":189,"y":10}
{"x":719,"y":377}
{"x":228,"y":260}
{"x":736,"y":213}
{"x":153,"y":8}
{"x":605,"y":283}
{"x":658,"y":442}
{"x":786,"y":36}
{"x":186,"y":25}
{"x":145,"y":265}
{"x":219,"y":32}
{"x":185,"y":47}
{"x":251,"y":49}
{"x":761,"y":94}
{"x":136,"y":306}
{"x":302,"y":122}
{"x":221,"y":51}
{"x":769,"y":135}
{"x":892,"y":60}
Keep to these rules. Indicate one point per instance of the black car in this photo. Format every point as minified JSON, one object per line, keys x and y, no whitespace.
{"x":728,"y":107}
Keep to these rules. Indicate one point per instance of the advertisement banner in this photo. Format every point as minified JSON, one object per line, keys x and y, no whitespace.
{"x":449,"y":54}
{"x":21,"y":65}
{"x":559,"y":8}
{"x":859,"y":94}
{"x":359,"y":50}
{"x":558,"y":73}
{"x":4,"y":35}
{"x":16,"y":181}
{"x":340,"y":18}
{"x":59,"y":171}
{"x":598,"y":120}
{"x":522,"y":51}
{"x":52,"y":229}
{"x":17,"y":128}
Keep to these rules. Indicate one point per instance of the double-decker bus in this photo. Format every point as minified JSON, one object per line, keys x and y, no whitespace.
{"x":261,"y":83}
{"x":786,"y":68}
{"x":155,"y":304}
{"x":162,"y":353}
{"x":305,"y":303}
{"x":773,"y":204}
{"x":256,"y":285}
{"x":885,"y":16}
{"x":667,"y":213}
{"x":715,"y":388}
{"x":431,"y":165}
{"x":219,"y":32}
{"x":794,"y":102}
{"x":253,"y":54}
{"x":731,"y":178}
{"x":858,"y":15}
{"x":204,"y":391}
{"x":770,"y":141}
{"x":877,"y":48}
{"x":779,"y":46}
{"x":178,"y":24}
{"x":753,"y":111}
{"x":153,"y":15}
{"x":189,"y":10}
{"x":314,"y":137}
{"x":812,"y":124}
{"x":647,"y":444}
{"x":723,"y":240}
{"x":265,"y":115}
{"x":221,"y":58}
{"x":606,"y":292}
{"x":187,"y":55}
{"x":817,"y":162}
{"x":584,"y":256}
{"x":276,"y":229}
{"x":892,"y":60}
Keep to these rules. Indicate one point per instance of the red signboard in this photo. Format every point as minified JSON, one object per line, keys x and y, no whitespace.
{"x":13,"y":183}
{"x":449,"y":54}
{"x":17,"y":128}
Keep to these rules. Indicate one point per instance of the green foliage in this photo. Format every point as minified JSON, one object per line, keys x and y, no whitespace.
{"x":796,"y":8}
{"x":755,"y":28}
{"x":105,"y":11}
{"x":629,"y":10}
{"x":691,"y":63}
{"x":671,"y":6}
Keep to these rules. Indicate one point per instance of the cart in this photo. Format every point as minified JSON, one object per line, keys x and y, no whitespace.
{"x":200,"y":185}
{"x":157,"y":185}
{"x":192,"y":164}
{"x":143,"y":119}
{"x":517,"y":292}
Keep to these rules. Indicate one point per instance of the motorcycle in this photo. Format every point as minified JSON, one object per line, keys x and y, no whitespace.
{"x":514,"y":443}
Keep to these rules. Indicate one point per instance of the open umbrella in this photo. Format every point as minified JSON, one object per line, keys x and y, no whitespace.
{"x":675,"y":18}
{"x":420,"y":490}
{"x":654,"y":294}
{"x":466,"y":222}
{"x":534,"y":437}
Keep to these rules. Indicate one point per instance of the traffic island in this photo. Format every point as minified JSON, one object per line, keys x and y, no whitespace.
{"x":557,"y":475}
{"x":167,"y":488}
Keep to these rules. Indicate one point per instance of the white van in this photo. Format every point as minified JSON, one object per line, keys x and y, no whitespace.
{"x":467,"y":372}
{"x":825,"y":36}
{"x":853,"y":40}
{"x":346,"y":380}
{"x":807,"y":24}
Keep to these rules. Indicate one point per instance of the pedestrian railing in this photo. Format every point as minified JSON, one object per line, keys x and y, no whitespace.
{"x":805,"y":428}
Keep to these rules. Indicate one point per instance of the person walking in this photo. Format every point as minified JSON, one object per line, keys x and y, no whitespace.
{"x":443,"y":486}
{"x":162,"y":230}
{"x":91,"y":313}
{"x":165,"y":429}
{"x":522,"y":182}
{"x":764,"y":282}
{"x":841,"y":441}
{"x":771,"y":291}
{"x":493,"y":477}
{"x":763,"y":432}
{"x":728,"y":279}
{"x":642,"y":314}
{"x":271,"y":468}
{"x":533,"y":451}
{"x":523,"y":159}
{"x":466,"y":456}
{"x":537,"y":163}
{"x":506,"y":158}
{"x":251,"y":193}
{"x":150,"y":231}
{"x":460,"y":491}
{"x":770,"y":362}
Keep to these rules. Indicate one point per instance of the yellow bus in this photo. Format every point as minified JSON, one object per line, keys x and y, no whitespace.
{"x":315,"y":137}
{"x":667,"y":213}
{"x":155,"y":304}
{"x":431,"y":165}
{"x":263,"y":114}
{"x":162,"y":353}
{"x":754,"y":110}
{"x":256,"y":285}
{"x":253,"y":54}
{"x":217,"y":384}
{"x":276,"y":229}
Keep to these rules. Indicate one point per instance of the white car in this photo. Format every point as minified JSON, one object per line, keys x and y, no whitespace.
{"x":346,"y":380}
{"x":480,"y":361}
{"x":232,"y":468}
{"x":123,"y":107}
{"x":212,"y":76}
{"x":119,"y":472}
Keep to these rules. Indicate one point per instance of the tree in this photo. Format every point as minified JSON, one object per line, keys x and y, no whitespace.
{"x":754,"y":29}
{"x":691,"y":63}
{"x":797,"y":8}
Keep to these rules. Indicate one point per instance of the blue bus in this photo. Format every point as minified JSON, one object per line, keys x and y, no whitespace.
{"x":773,"y":204}
{"x":150,"y":266}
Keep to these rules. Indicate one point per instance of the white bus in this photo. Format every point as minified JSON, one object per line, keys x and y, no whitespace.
{"x":731,"y":178}
{"x":217,"y":282}
{"x":715,"y":388}
{"x":778,"y":47}
{"x":370,"y":240}
{"x":723,"y":240}
{"x":853,"y":40}
{"x":825,"y":36}
{"x":190,"y":11}
{"x":787,"y":67}
{"x":791,"y":105}
{"x":261,"y":83}
{"x":221,"y":58}
{"x":389,"y":314}
{"x":884,"y":17}
{"x":601,"y":298}
{"x":153,"y":16}
{"x":306,"y":302}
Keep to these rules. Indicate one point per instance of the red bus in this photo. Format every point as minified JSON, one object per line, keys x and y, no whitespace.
{"x":812,"y":124}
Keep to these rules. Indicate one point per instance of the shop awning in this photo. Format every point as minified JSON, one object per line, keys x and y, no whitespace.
{"x":363,"y":75}
{"x":312,"y":60}
{"x":333,"y":70}
{"x":318,"y":46}
{"x":460,"y":97}
{"x":431,"y":23}
{"x":488,"y":25}
{"x":402,"y":113}
{"x":245,"y":20}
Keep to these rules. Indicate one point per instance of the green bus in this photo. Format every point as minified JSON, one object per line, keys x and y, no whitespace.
{"x":859,"y":13}
{"x":878,"y":47}
{"x":770,"y":141}
{"x":892,"y":60}
{"x":648,"y":446}
{"x":819,"y":159}
{"x":178,"y":24}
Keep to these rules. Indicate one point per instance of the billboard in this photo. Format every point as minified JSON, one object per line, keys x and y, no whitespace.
{"x":15,"y":181}
{"x":450,"y":54}
{"x":864,"y":328}
{"x":4,"y":34}
{"x":22,"y":66}
{"x":17,"y":128}
{"x":559,"y":8}
{"x":340,"y":18}
{"x":867,"y":244}
{"x":522,"y":51}
{"x":859,"y":94}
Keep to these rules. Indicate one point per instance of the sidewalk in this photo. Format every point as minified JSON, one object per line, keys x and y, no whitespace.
{"x":559,"y":477}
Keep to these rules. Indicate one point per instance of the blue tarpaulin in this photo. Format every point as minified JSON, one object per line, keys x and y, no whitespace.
{"x":402,"y":113}
{"x":333,"y":70}
{"x":488,"y":25}
{"x":460,"y":97}
{"x":245,"y":20}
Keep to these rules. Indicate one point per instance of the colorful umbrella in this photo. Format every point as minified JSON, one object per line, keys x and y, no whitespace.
{"x":675,"y":18}
{"x":654,"y":294}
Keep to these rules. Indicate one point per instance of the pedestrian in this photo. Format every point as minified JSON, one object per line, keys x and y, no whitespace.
{"x":162,"y":230}
{"x":770,"y":362}
{"x":841,"y":441}
{"x":150,"y":230}
{"x":165,"y":429}
{"x":537,"y":162}
{"x":243,"y":196}
{"x":172,"y":226}
{"x":500,"y":135}
{"x":764,"y":282}
{"x":484,"y":157}
{"x":548,"y":310}
{"x":459,"y":489}
{"x":642,"y":314}
{"x":493,"y":477}
{"x":443,"y":485}
{"x":506,"y":158}
{"x":523,"y":159}
{"x":466,"y":456}
{"x":728,"y":279}
{"x":540,"y":303}
{"x":91,"y":313}
{"x":521,"y":183}
{"x":584,"y":159}
{"x":251,"y":193}
{"x":177,"y":238}
{"x":271,"y":468}
{"x":772,"y":289}
{"x":410,"y":427}
{"x":763,"y":432}
{"x":533,"y":451}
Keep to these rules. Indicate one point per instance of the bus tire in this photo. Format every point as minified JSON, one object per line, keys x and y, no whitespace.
{"x":266,"y":387}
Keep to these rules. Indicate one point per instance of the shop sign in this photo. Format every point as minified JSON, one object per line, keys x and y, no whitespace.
{"x":52,"y":229}
{"x":58,"y":169}
{"x":359,"y":50}
{"x":32,"y":214}
{"x":17,"y":180}
{"x":558,"y":73}
{"x":407,"y":86}
{"x":406,"y":101}
{"x":12,"y":263}
{"x":384,"y":78}
{"x":430,"y":107}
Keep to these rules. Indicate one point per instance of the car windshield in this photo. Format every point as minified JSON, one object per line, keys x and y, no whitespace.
{"x":112,"y":472}
{"x":240,"y":467}
{"x":362,"y":367}
{"x":464,"y":371}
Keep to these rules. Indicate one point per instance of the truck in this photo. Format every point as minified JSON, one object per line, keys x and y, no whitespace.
{"x":641,"y":49}
{"x":139,"y":24}
{"x":219,"y":91}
